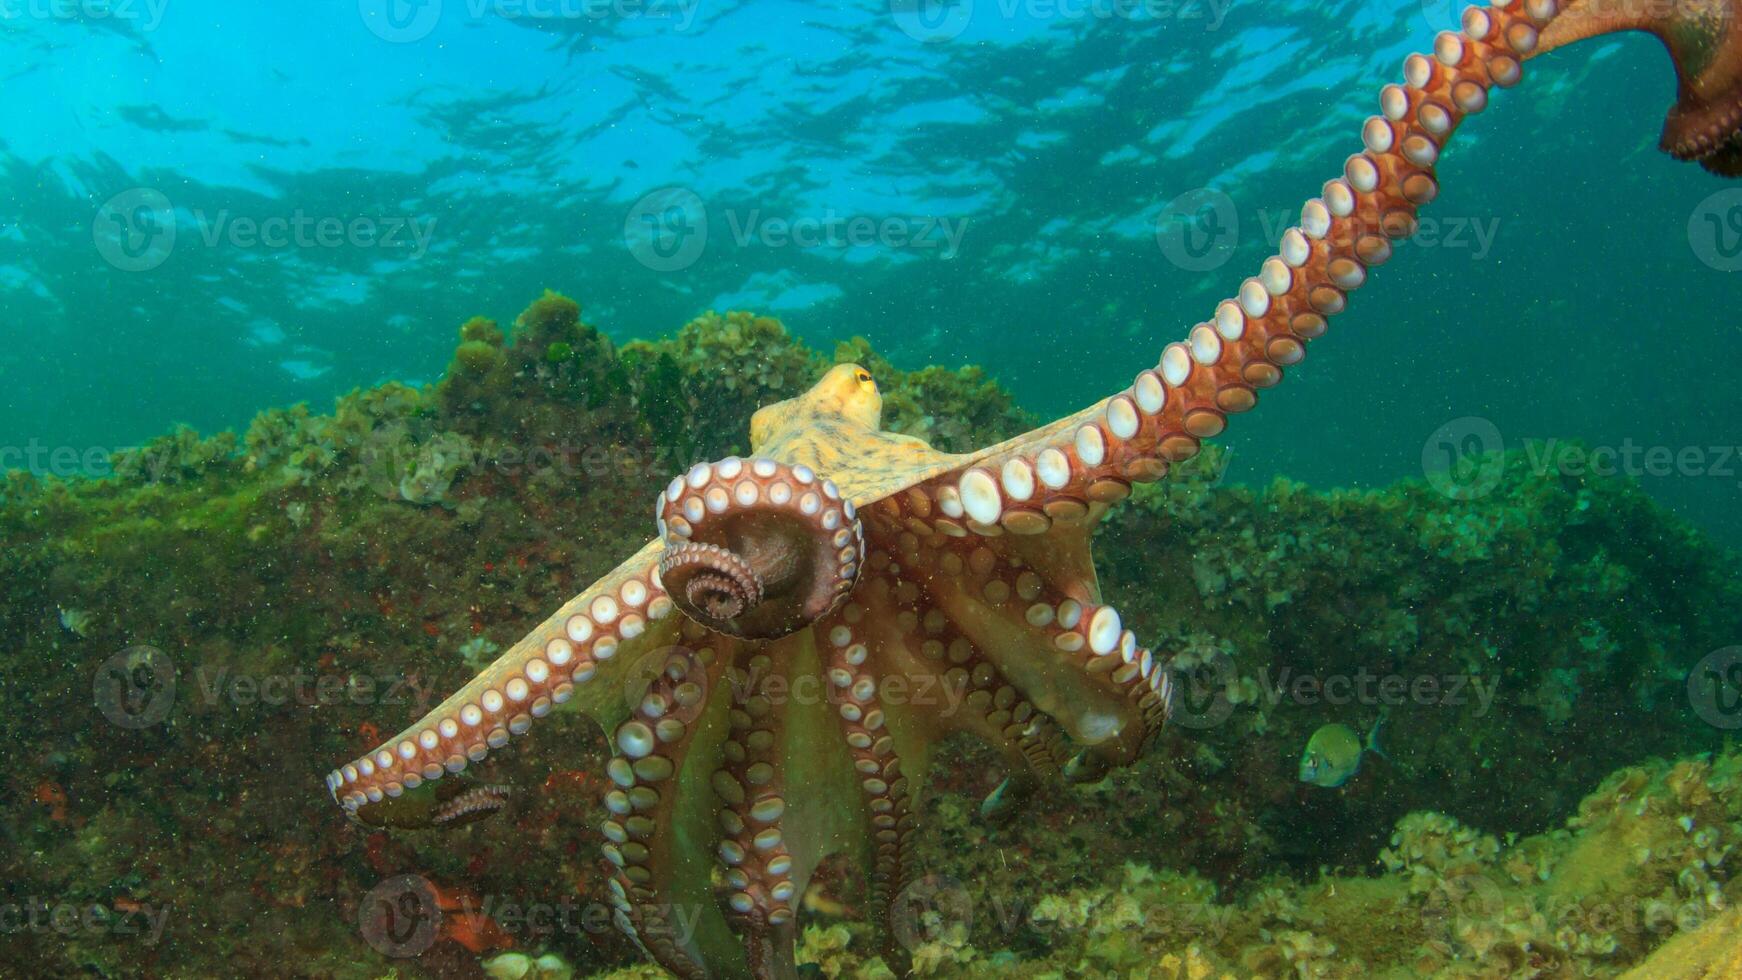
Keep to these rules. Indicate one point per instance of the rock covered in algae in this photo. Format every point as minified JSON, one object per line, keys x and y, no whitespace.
{"x":1607,"y":894}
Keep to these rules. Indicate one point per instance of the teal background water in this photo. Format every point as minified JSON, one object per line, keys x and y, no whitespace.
{"x":1577,"y":284}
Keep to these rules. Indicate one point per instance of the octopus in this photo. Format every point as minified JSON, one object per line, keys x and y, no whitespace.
{"x":770,"y":665}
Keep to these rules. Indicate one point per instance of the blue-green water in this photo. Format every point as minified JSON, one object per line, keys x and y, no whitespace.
{"x":346,"y":182}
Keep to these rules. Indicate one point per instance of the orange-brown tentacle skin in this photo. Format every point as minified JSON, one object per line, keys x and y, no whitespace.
{"x":609,"y":625}
{"x":1074,"y":660}
{"x":1704,"y":40}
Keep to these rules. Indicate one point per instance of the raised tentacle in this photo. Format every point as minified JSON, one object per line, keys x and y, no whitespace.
{"x":1094,"y":455}
{"x":580,"y":652}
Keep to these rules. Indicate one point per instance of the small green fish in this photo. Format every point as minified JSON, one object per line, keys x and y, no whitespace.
{"x":1333,"y":754}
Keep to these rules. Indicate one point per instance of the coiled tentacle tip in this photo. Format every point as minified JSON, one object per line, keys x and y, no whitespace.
{"x":757,"y":548}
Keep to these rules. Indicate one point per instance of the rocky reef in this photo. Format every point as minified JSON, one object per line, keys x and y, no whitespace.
{"x":192,"y":640}
{"x":1634,"y":884}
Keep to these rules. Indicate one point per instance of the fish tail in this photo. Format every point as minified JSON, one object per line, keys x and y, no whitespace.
{"x":1373,"y":745}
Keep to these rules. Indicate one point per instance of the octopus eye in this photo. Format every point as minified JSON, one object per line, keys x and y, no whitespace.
{"x":864,"y":377}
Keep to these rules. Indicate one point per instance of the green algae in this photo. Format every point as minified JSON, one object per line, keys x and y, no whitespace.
{"x":374,"y":551}
{"x":1641,"y":862}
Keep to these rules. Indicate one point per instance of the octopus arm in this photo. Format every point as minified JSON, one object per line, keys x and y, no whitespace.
{"x":1063,"y":469}
{"x":660,"y":835}
{"x":1060,"y":647}
{"x":953,"y":685}
{"x":787,"y":793}
{"x":587,"y":656}
{"x":887,"y":739}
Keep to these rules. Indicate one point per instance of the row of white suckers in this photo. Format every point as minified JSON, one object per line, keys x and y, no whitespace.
{"x":622,"y":610}
{"x":690,"y":499}
{"x":581,"y":628}
{"x":977,"y":493}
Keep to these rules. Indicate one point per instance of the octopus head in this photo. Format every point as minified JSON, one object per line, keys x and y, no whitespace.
{"x":846,"y":395}
{"x":757,"y":548}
